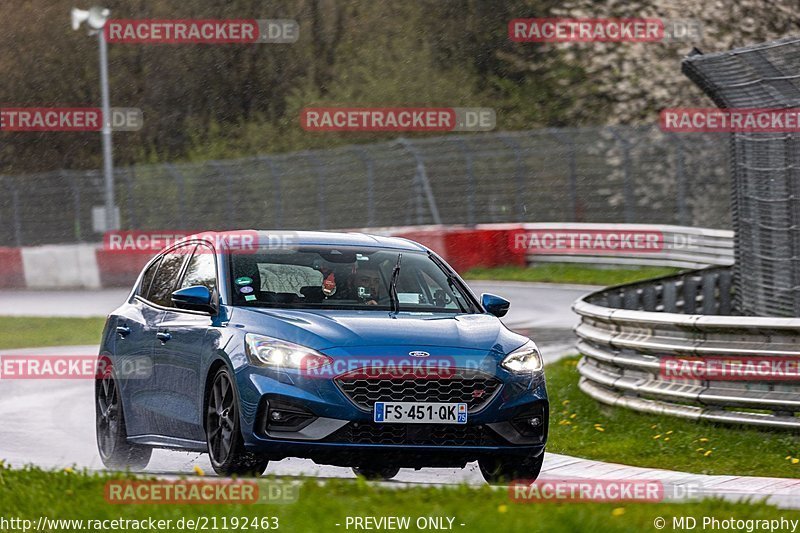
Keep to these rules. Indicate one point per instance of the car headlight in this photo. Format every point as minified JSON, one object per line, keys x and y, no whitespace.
{"x":525,"y":359}
{"x":266,"y":351}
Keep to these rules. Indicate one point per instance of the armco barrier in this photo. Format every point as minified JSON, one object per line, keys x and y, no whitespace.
{"x":484,"y":245}
{"x":626,"y":332}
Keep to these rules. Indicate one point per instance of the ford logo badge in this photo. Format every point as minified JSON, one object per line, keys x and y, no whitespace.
{"x":419,"y":354}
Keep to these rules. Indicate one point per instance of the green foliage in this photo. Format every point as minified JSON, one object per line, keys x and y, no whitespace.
{"x":32,"y":493}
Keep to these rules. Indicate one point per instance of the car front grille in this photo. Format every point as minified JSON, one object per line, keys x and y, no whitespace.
{"x":416,"y":434}
{"x":474,"y":388}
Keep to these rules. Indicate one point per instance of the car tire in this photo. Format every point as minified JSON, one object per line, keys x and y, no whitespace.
{"x":501,"y":471}
{"x":376,"y":473}
{"x":224,"y":439}
{"x":112,"y":436}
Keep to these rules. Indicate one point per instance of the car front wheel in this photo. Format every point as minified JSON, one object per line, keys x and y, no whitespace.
{"x":500,"y":471}
{"x":223,"y":433}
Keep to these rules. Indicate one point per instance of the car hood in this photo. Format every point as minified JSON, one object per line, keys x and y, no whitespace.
{"x":323,"y":330}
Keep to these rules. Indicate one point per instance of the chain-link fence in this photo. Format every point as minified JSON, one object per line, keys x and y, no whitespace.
{"x":551,"y":175}
{"x":765,"y":172}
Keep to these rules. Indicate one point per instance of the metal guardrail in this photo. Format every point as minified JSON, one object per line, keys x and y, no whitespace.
{"x":626,"y":331}
{"x":683,"y":247}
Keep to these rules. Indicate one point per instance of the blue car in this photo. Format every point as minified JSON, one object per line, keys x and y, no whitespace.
{"x":349,"y":349}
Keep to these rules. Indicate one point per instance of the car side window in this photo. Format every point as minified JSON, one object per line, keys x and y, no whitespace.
{"x":147,"y":279}
{"x":201,"y":270}
{"x":166,"y":277}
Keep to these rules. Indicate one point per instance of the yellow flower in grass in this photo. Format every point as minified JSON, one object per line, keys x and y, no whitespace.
{"x":707,"y":453}
{"x":657,"y":436}
{"x":654,"y":426}
{"x":69,"y":470}
{"x":619,"y":511}
{"x":703,"y":439}
{"x":600,"y":429}
{"x":199,"y":471}
{"x":795,"y":460}
{"x":502,"y":508}
{"x":669,"y":432}
{"x":700,"y":449}
{"x":788,"y":457}
{"x":573,"y":415}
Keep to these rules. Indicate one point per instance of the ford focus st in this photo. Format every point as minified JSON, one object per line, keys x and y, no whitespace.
{"x":348,"y":349}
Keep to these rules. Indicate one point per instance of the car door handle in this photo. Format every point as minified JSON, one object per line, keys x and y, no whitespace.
{"x":163,"y":336}
{"x":123,"y":331}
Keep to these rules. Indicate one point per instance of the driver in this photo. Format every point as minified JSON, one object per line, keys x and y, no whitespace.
{"x":367,"y":285}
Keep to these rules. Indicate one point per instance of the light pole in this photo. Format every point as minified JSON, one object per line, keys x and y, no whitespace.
{"x":96,"y":18}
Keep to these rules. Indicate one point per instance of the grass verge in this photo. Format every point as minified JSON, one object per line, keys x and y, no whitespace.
{"x":32,"y":493}
{"x":28,"y":332}
{"x":582,"y":427}
{"x":569,"y":273}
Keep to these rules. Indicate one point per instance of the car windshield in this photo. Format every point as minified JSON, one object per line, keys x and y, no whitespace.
{"x":328,"y":277}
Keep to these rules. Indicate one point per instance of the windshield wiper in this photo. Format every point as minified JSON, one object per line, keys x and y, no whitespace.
{"x":393,"y":285}
{"x":454,"y":284}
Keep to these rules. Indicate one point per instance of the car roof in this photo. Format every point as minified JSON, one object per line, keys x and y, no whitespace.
{"x":323,"y":238}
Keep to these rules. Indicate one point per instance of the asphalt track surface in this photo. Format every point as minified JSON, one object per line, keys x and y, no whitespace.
{"x":51,"y":423}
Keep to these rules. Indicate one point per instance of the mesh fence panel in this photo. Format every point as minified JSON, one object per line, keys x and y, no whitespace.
{"x":561,"y":175}
{"x":765,"y":172}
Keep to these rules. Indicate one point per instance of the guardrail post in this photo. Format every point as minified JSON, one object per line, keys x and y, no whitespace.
{"x":277,"y":212}
{"x":462,"y":146}
{"x":76,"y":202}
{"x":669,"y":297}
{"x":129,"y":203}
{"x":16,"y":222}
{"x":369,"y":165}
{"x":680,"y":180}
{"x":689,"y":295}
{"x":180,"y":183}
{"x":572,"y":175}
{"x":519,"y":175}
{"x":228,"y":180}
{"x":322,"y":208}
{"x":421,"y":178}
{"x":627,"y":185}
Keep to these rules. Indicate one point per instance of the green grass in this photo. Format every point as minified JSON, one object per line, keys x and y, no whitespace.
{"x":29,"y":332}
{"x":665,"y":442}
{"x":31,"y":493}
{"x":569,"y":273}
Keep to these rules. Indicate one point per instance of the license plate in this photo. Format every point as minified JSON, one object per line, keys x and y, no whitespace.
{"x":420,"y":413}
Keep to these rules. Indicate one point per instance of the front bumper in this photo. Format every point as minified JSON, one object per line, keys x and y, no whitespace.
{"x":340,"y":431}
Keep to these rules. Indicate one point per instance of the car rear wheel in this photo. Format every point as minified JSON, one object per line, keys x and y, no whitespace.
{"x":499,"y":471}
{"x":112,"y":437}
{"x":376,"y":473}
{"x":223,"y":433}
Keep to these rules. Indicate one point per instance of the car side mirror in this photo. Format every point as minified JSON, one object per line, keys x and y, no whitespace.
{"x":195,"y":298}
{"x":494,"y":304}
